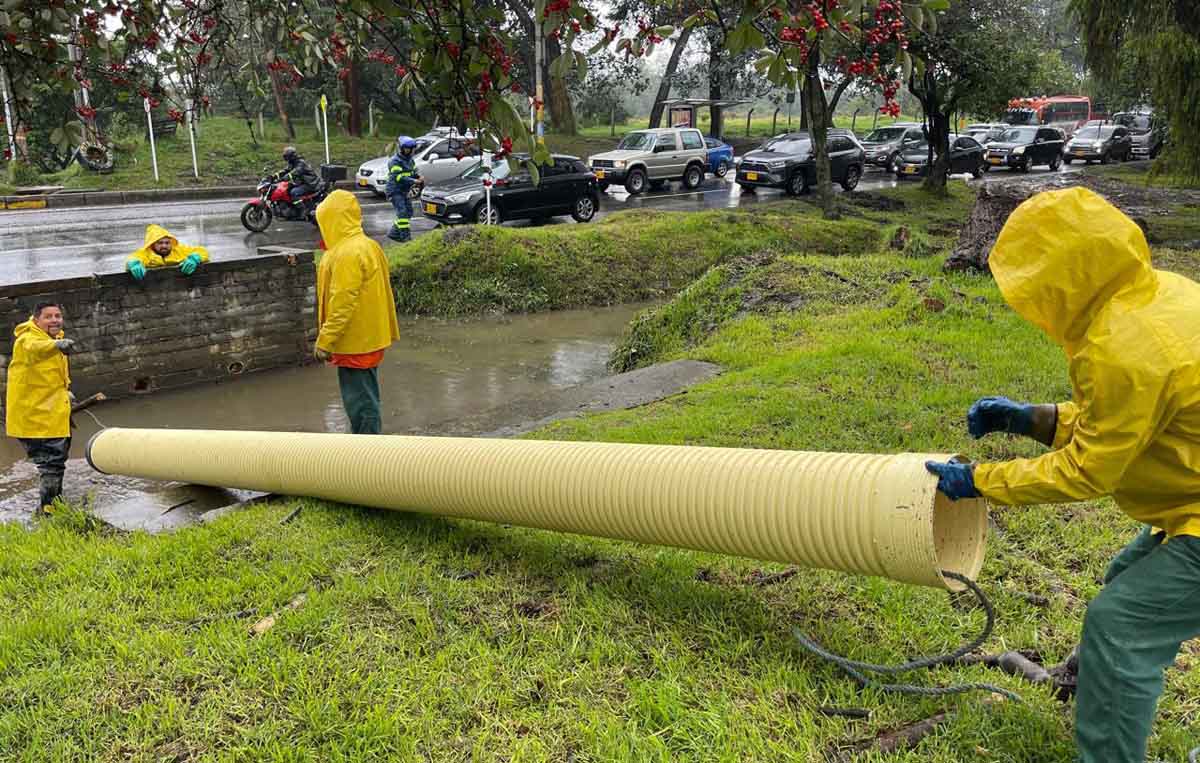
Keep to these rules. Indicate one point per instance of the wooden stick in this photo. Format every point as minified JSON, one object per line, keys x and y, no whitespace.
{"x":86,"y":403}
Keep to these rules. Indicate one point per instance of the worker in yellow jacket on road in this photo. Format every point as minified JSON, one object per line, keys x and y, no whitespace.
{"x":1075,"y":266}
{"x":356,"y":312}
{"x":37,"y":401}
{"x":160,"y":249}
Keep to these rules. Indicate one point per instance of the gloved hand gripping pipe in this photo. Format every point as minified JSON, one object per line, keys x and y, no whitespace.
{"x":865,"y":514}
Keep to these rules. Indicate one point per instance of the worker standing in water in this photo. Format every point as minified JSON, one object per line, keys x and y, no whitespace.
{"x":1075,"y":266}
{"x":160,"y":249}
{"x":37,"y":401}
{"x":356,"y":313}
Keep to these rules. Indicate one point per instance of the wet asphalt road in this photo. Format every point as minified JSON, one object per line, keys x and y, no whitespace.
{"x":37,"y":245}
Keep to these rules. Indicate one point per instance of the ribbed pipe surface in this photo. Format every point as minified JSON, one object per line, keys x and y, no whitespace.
{"x":866,"y":514}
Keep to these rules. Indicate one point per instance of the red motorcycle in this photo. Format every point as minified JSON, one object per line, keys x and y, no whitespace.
{"x":274,"y":200}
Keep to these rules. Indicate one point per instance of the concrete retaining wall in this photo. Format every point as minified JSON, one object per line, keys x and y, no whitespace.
{"x":232,"y":317}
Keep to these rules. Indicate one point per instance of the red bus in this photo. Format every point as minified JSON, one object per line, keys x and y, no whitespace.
{"x":1066,"y":112}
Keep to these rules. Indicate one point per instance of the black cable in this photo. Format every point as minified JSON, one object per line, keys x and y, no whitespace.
{"x":858,"y":669}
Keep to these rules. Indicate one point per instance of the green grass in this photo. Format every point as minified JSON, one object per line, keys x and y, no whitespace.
{"x":629,"y":256}
{"x":227,"y":156}
{"x":428,"y":639}
{"x":761,"y":124}
{"x":1156,"y":175}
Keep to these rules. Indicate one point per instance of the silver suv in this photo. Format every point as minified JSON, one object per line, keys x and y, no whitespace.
{"x":650,"y":158}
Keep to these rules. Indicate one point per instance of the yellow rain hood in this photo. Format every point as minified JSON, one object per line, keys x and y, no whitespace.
{"x":865,"y":514}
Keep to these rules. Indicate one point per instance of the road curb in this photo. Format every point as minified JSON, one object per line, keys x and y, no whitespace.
{"x":67,"y":199}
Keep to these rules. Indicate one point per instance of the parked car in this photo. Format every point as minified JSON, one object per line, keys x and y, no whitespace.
{"x":1101,"y":143}
{"x":566,"y":187}
{"x":720,"y":156}
{"x":1148,"y":132}
{"x":650,"y":158}
{"x":884,"y":145}
{"x":1020,"y":148}
{"x":439,"y":157}
{"x":986,"y":132}
{"x":966,"y":155}
{"x":787,"y":162}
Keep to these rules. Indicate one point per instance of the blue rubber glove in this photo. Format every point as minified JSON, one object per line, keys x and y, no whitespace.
{"x":136,"y":269}
{"x":188,"y":266}
{"x":955,"y":480}
{"x":999,"y":414}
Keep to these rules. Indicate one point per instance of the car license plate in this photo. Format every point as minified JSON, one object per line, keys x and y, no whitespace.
{"x":1080,"y":152}
{"x":910,"y":170}
{"x":431,"y":209}
{"x":599,"y":174}
{"x":364,"y":182}
{"x":752,"y":176}
{"x":995,"y":160}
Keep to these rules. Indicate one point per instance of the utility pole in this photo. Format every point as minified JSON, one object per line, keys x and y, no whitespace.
{"x":539,"y":58}
{"x":8,"y":113}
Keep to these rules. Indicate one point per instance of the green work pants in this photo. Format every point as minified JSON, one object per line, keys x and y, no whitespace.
{"x":1132,"y":632}
{"x":360,"y":397}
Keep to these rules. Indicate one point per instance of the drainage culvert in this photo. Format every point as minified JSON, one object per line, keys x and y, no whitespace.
{"x":865,"y":514}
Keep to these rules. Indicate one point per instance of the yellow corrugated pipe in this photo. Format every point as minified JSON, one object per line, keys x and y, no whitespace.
{"x":867,"y":514}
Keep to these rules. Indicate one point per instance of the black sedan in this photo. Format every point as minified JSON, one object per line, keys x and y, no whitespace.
{"x":966,"y":155}
{"x":1022,"y":147}
{"x":566,"y":187}
{"x":1099,"y":143}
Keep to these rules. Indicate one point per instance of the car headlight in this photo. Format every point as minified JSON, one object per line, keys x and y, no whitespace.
{"x":777,"y":165}
{"x":1098,"y":144}
{"x":619,"y":164}
{"x":1019,"y":150}
{"x":459,"y":198}
{"x":737,"y":161}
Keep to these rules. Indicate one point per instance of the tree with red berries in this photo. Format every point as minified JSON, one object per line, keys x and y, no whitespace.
{"x":861,"y":40}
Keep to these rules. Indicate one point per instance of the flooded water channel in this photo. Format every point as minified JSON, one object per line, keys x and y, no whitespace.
{"x":441,"y":377}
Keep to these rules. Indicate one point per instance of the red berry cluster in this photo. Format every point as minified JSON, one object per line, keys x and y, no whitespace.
{"x":175,"y":114}
{"x":87,"y":112}
{"x":382,"y":57}
{"x":506,"y":146}
{"x":556,"y":6}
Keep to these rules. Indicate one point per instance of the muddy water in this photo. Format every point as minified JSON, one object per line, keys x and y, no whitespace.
{"x":438,"y":375}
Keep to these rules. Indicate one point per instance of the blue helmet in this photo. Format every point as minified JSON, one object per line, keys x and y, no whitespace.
{"x":404,"y":142}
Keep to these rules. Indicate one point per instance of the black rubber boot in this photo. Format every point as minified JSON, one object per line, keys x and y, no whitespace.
{"x":51,"y":489}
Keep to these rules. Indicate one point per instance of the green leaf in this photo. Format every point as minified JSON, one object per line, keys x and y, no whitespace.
{"x":664,"y":31}
{"x":754,"y":38}
{"x":907,"y":63}
{"x":534,"y":173}
{"x":918,"y":17}
{"x":931,"y":23}
{"x":581,"y":67}
{"x":937,"y":5}
{"x":765,"y":61}
{"x":541,"y":155}
{"x":693,"y":20}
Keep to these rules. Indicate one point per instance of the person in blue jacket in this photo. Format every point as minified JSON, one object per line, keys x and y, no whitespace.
{"x":402,"y":174}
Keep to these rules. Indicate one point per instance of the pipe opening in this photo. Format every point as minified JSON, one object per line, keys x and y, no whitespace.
{"x":236,"y":367}
{"x":959,"y":537}
{"x":141,"y":385}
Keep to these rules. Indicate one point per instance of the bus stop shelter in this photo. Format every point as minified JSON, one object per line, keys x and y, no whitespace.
{"x":681,"y":112}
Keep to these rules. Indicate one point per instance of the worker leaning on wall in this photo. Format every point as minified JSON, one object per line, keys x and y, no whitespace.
{"x":1075,"y":266}
{"x":160,"y":249}
{"x":38,"y":399}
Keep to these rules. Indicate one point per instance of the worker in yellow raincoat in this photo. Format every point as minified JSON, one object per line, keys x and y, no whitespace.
{"x":1080,"y":270}
{"x":356,"y":313}
{"x":37,"y":402}
{"x":160,"y":249}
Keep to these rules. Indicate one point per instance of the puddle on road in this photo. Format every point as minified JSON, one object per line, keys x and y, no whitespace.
{"x":438,"y":375}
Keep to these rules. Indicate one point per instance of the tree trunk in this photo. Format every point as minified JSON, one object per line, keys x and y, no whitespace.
{"x":558,"y":98}
{"x":664,"y":87}
{"x":939,"y":144}
{"x":279,"y":107}
{"x":353,"y":91}
{"x":714,"y":88}
{"x":818,"y":118}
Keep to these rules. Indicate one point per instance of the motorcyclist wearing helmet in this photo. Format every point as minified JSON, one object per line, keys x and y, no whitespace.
{"x":402,"y":175}
{"x":299,"y":173}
